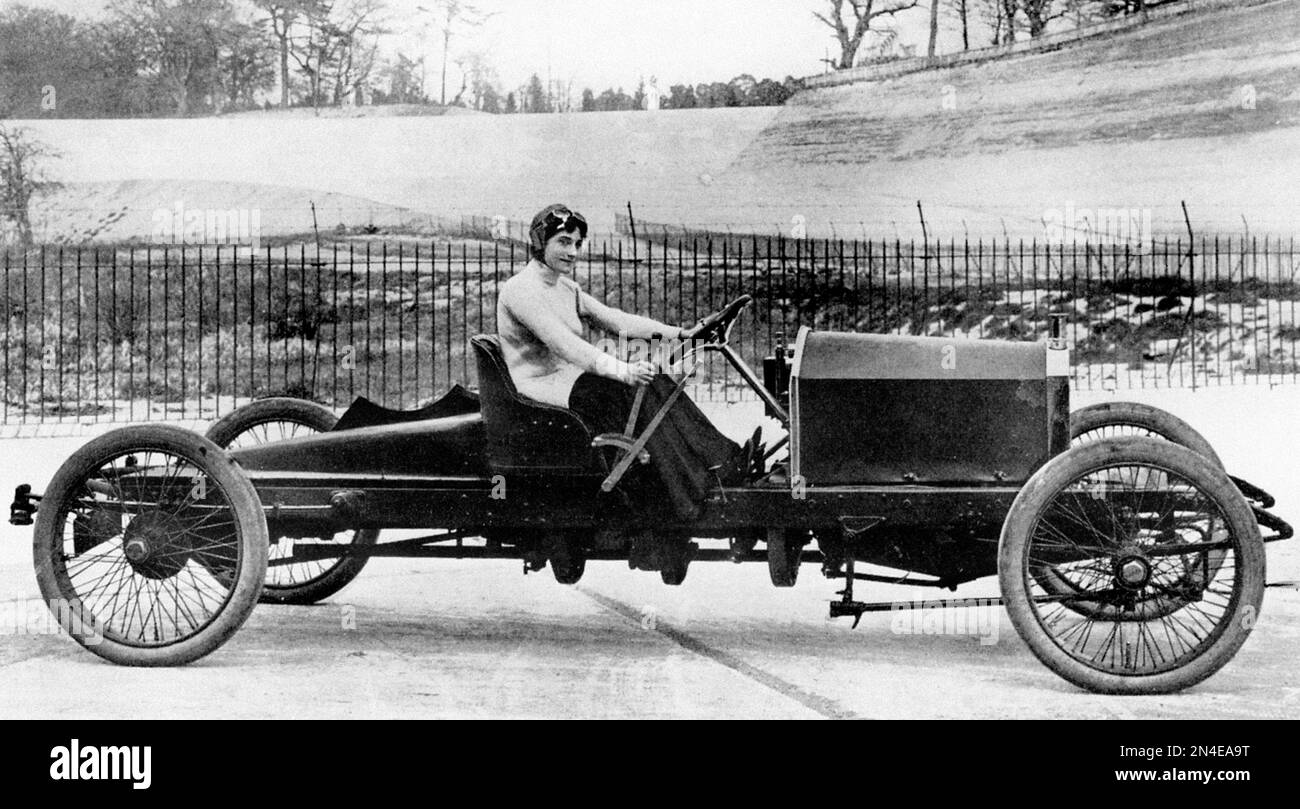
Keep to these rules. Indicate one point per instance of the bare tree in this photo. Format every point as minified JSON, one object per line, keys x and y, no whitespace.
{"x":402,"y":76}
{"x":22,"y":176}
{"x":1087,"y":10}
{"x":934,"y":28}
{"x":962,"y":10}
{"x":480,"y":74}
{"x":1040,"y":14}
{"x":355,"y":70}
{"x":451,"y":16}
{"x":283,"y":14}
{"x":1000,"y":16}
{"x":850,"y":31}
{"x":1009,"y":9}
{"x":339,"y":45}
{"x":989,"y":12}
{"x":357,"y":29}
{"x":316,"y":49}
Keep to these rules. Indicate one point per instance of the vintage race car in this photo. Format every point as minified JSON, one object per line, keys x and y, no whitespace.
{"x":1128,"y":559}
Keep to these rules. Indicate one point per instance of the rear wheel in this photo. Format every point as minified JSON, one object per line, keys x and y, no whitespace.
{"x":567,"y":556}
{"x":784,"y":549}
{"x":279,"y":419}
{"x":150,"y":546}
{"x":675,"y":555}
{"x":1159,"y":548}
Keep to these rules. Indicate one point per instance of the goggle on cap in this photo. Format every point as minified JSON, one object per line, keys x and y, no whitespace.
{"x":551,"y":220}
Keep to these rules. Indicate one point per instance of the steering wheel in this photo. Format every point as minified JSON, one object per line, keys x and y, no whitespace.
{"x":718,"y":325}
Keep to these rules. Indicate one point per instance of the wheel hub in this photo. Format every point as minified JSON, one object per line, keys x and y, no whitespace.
{"x":156,"y":546}
{"x":1132,"y":572}
{"x":137,"y":550}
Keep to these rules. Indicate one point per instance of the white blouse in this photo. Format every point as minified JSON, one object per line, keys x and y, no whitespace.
{"x":540,"y":316}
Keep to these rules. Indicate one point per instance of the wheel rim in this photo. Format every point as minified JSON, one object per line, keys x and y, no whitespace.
{"x":149,"y":551}
{"x":1150,"y":564}
{"x":1108,"y":431}
{"x":282,"y":576}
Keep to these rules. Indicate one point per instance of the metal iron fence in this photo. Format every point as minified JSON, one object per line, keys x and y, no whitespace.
{"x":138,"y":334}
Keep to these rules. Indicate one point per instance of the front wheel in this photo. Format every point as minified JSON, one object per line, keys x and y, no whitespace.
{"x":1158,"y":544}
{"x":280,"y":419}
{"x":1130,"y":420}
{"x":150,"y":546}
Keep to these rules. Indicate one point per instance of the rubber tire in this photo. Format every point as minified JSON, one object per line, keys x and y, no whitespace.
{"x":1153,"y":419}
{"x":783,"y":552}
{"x":674,"y":574}
{"x":566,"y":556}
{"x":1213,"y":482}
{"x":249,"y":519}
{"x":676,"y":564}
{"x":322,"y":420}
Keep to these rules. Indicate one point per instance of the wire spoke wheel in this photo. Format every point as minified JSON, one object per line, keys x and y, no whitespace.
{"x":1108,"y":420}
{"x":1132,"y":565}
{"x":309,"y":581}
{"x":269,"y":431}
{"x":150,"y":546}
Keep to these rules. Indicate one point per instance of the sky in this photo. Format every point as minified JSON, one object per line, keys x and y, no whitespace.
{"x":602,"y":44}
{"x":617,"y":42}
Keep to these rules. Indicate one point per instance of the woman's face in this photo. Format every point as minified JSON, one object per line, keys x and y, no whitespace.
{"x":562,"y":252}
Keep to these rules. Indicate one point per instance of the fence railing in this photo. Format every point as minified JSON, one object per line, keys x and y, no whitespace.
{"x":138,"y":334}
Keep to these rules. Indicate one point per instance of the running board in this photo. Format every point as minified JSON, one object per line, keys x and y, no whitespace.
{"x":424,"y":549}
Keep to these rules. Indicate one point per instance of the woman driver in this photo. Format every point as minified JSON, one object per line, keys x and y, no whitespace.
{"x":540,"y":314}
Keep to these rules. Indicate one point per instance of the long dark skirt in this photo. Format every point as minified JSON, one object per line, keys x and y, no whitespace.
{"x":687,"y":452}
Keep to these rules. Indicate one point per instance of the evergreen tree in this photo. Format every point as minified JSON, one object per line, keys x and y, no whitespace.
{"x":535,"y":96}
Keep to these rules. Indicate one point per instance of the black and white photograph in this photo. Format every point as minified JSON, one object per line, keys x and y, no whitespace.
{"x":672,"y":360}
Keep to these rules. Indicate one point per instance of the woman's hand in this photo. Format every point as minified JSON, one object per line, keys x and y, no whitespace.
{"x":636,"y":373}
